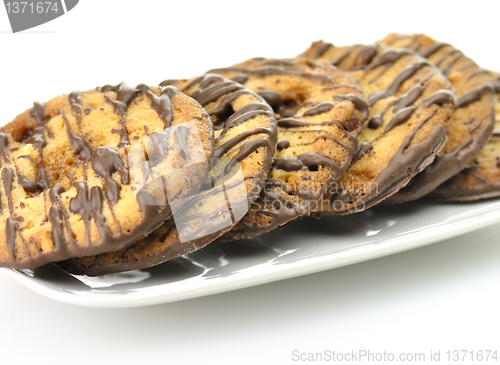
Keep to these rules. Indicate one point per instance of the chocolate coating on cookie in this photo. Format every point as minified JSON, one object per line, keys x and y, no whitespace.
{"x":246,"y":132}
{"x":411,"y":104}
{"x":481,"y":178}
{"x":473,"y":118}
{"x":76,"y":175}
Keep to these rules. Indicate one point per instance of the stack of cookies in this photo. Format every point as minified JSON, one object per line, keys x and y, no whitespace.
{"x":126,"y":177}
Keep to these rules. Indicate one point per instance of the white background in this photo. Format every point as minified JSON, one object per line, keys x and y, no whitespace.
{"x":441,"y":297}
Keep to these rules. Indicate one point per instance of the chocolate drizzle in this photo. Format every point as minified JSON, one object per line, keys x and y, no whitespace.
{"x":404,"y":164}
{"x":282,"y":145}
{"x":96,"y":205}
{"x":83,"y":150}
{"x":80,"y":205}
{"x":3,"y":147}
{"x":56,"y":218}
{"x":470,"y":84}
{"x":305,"y":161}
{"x":161,"y":104}
{"x":426,"y":53}
{"x":278,"y":193}
{"x":8,"y":179}
{"x":125,"y":93}
{"x":105,"y":161}
{"x":27,"y":185}
{"x":321,"y":48}
{"x":362,"y":58}
{"x":107,"y":164}
{"x":474,"y":95}
{"x":441,"y":97}
{"x":10,"y":224}
{"x":75,"y":99}
{"x":361,"y":105}
{"x":10,"y":236}
{"x":321,"y":108}
{"x":274,"y":99}
{"x":397,"y":82}
{"x":387,"y":57}
{"x":259,"y":140}
{"x":361,"y":150}
{"x":38,"y":141}
{"x":402,"y":110}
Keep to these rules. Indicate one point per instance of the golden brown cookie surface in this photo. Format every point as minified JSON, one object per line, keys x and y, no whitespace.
{"x":92,"y":171}
{"x":245,"y":140}
{"x":411,"y":104}
{"x":481,"y":179}
{"x":473,"y":118}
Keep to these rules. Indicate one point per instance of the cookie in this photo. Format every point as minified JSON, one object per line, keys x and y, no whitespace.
{"x":93,"y":171}
{"x":320,"y":111}
{"x":473,"y":119}
{"x":411,"y":105}
{"x":245,"y":140}
{"x":481,"y":179}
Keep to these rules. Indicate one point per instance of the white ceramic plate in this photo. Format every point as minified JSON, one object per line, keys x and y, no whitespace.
{"x":304,"y":247}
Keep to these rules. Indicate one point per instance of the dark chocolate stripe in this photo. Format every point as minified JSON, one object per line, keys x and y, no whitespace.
{"x":59,"y":212}
{"x":244,"y":114}
{"x":359,"y":103}
{"x":11,"y":224}
{"x":27,"y":185}
{"x":274,"y":99}
{"x":105,"y":161}
{"x":496,"y":87}
{"x":96,"y":205}
{"x":10,"y":236}
{"x":360,"y":151}
{"x":443,"y":58}
{"x":400,"y":117}
{"x":212,"y":94}
{"x":245,"y":150}
{"x":426,"y":53}
{"x":75,"y":99}
{"x":441,"y":97}
{"x":125,"y":93}
{"x":282,"y":145}
{"x":474,"y":95}
{"x":3,"y":147}
{"x":475,"y":73}
{"x":398,"y":81}
{"x":337,"y":61}
{"x":83,"y":150}
{"x":56,"y":219}
{"x":446,"y":70}
{"x":388,"y":57}
{"x":80,"y":204}
{"x":304,"y":161}
{"x":161,"y":104}
{"x":294,"y":123}
{"x":226,"y":146}
{"x":225,"y":108}
{"x":181,"y":133}
{"x":38,"y":141}
{"x":8,"y":179}
{"x":322,"y":48}
{"x":321,"y":108}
